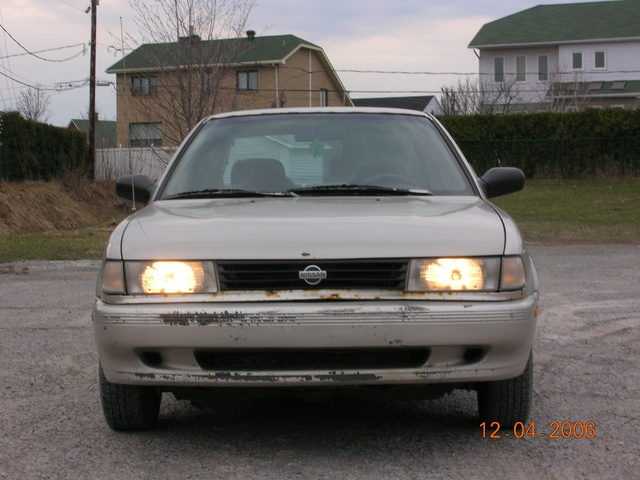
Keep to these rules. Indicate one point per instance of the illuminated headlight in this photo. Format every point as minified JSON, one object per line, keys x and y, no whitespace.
{"x":158,"y":277}
{"x":488,"y":274}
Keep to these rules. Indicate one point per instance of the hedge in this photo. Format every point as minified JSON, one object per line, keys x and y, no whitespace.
{"x":36,"y":151}
{"x":590,"y":143}
{"x":594,"y":142}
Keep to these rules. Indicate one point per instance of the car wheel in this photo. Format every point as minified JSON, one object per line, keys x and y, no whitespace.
{"x":129,"y":407}
{"x":507,"y":401}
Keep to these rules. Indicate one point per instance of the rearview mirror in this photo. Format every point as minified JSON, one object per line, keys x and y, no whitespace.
{"x":136,"y":188}
{"x":502,"y":181}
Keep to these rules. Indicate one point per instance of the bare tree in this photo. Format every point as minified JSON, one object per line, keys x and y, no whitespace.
{"x":165,"y":21}
{"x":563,"y":92}
{"x":33,"y":104}
{"x":462,"y":98}
{"x":191,"y":46}
{"x":499,"y":97}
{"x":467,"y":97}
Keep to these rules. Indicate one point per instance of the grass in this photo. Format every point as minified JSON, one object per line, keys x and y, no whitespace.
{"x":547,"y":211}
{"x":83,"y":244}
{"x":577,"y":211}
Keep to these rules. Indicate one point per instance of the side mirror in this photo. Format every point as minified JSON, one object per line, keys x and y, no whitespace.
{"x":136,"y":188}
{"x":502,"y":181}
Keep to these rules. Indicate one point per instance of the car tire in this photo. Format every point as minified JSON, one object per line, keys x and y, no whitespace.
{"x":129,"y":407}
{"x":507,"y":402}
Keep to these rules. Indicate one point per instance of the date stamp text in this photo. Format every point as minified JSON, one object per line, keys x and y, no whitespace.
{"x":553,"y":430}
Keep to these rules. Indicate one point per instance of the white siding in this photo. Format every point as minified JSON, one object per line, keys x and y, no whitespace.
{"x":622,"y":60}
{"x":622,"y":63}
{"x":531,"y":90}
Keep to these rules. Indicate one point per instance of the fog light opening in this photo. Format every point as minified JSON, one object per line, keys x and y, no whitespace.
{"x":151,"y":358}
{"x":472,"y":355}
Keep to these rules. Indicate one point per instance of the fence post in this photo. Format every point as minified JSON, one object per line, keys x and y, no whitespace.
{"x":622,"y":162}
{"x":553,"y":158}
{"x":484,"y":155}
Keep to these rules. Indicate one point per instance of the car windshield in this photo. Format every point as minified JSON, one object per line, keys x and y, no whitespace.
{"x":316,"y":154}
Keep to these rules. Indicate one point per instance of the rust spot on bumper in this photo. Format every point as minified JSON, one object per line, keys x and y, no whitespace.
{"x":202,"y":319}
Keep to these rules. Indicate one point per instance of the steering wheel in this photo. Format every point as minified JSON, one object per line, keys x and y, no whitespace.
{"x":394,"y":179}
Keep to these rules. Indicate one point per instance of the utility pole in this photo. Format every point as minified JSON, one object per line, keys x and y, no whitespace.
{"x":92,"y":87}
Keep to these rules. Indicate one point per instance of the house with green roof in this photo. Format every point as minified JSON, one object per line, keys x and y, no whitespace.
{"x":105,"y":131}
{"x":562,"y":57}
{"x":163,"y":90}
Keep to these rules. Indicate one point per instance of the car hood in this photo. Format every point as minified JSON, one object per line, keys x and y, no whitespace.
{"x":311,"y":228}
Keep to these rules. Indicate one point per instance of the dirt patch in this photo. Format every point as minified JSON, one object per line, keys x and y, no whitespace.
{"x":67,"y":204}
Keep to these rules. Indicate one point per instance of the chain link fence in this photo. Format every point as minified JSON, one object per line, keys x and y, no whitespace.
{"x":561,"y":159}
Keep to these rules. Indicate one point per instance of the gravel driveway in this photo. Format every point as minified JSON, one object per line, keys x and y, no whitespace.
{"x":587,"y":369}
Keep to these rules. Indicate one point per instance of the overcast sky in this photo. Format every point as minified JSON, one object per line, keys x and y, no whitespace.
{"x":426,"y":37}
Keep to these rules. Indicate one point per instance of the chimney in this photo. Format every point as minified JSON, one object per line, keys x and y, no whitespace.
{"x":191,"y":39}
{"x":251,"y":35}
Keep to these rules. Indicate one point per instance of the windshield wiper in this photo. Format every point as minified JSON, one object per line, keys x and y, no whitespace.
{"x":358,"y":190}
{"x":226,"y":193}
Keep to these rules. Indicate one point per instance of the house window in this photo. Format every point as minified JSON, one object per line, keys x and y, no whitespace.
{"x":247,"y":80}
{"x":324,"y":97}
{"x":144,"y":86}
{"x":498,"y":69}
{"x":521,"y":69}
{"x":577,"y":61}
{"x":207,"y":81}
{"x":543,"y":68}
{"x":145,"y":134}
{"x":600,"y":61}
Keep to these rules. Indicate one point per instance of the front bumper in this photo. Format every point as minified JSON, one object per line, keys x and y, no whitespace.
{"x":162,"y":344}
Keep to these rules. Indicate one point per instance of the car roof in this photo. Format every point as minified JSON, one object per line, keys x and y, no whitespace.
{"x":311,"y":110}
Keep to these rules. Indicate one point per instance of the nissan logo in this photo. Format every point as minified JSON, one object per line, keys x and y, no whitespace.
{"x":313,"y":275}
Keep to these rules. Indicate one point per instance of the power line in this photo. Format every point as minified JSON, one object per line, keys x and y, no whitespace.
{"x":84,"y":50}
{"x":21,"y":83}
{"x":33,"y":54}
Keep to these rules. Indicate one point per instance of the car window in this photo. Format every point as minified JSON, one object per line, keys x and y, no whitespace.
{"x":281,"y":152}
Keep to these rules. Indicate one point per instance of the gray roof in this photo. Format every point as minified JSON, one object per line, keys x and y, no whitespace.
{"x":565,"y":23}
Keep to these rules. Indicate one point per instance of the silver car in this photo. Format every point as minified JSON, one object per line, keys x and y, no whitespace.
{"x":316,"y":251}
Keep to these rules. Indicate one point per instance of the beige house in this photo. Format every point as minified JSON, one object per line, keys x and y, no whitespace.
{"x":165,"y":89}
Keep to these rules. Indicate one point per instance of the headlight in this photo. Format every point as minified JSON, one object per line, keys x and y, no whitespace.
{"x":488,"y":274}
{"x":169,"y":277}
{"x":158,"y":277}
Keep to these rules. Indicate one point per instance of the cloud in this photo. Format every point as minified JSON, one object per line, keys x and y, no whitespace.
{"x":436,"y":46}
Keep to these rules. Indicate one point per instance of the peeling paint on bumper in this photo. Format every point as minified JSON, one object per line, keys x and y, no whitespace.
{"x":502,"y":331}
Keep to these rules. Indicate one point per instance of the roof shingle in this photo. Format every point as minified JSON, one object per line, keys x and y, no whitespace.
{"x":156,"y":56}
{"x":563,"y":23}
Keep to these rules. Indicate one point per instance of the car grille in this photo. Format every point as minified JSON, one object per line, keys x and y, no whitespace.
{"x":312,"y":359}
{"x":340,"y":274}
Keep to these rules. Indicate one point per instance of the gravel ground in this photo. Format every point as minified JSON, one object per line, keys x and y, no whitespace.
{"x":586,"y":370}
